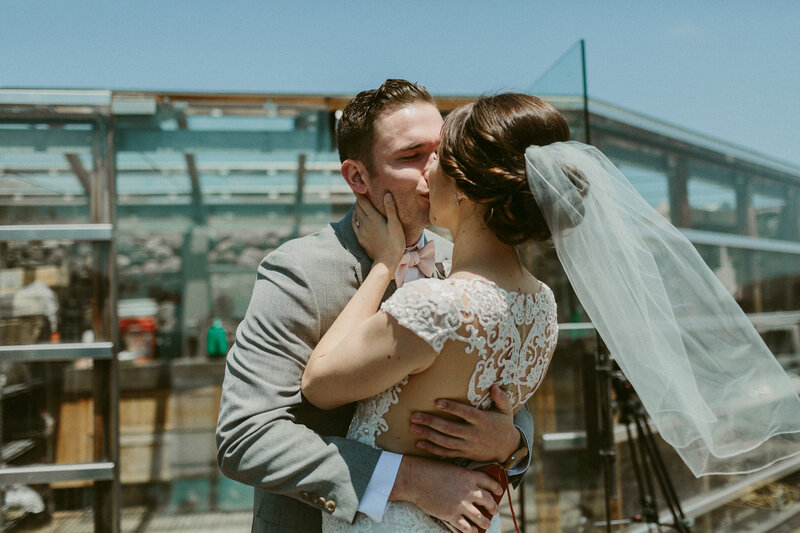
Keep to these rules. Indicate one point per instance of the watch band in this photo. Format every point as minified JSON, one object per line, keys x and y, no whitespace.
{"x":516,"y":457}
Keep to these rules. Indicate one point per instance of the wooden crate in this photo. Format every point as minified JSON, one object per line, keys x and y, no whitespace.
{"x":145,"y":457}
{"x":164,"y":434}
{"x":195,"y":408}
{"x":75,"y":437}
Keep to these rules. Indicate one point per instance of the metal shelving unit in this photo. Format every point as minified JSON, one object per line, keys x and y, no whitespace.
{"x":103,"y":472}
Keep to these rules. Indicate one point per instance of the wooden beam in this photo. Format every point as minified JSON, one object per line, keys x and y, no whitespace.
{"x":80,"y":172}
{"x":298,"y":198}
{"x":194,"y":177}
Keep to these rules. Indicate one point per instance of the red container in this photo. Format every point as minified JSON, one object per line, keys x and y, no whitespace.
{"x":139,"y":336}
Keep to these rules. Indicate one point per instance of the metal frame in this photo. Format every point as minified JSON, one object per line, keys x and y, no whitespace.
{"x":104,"y":471}
{"x":44,"y":473}
{"x":732,"y":240}
{"x":57,"y":352}
{"x":74,"y":232}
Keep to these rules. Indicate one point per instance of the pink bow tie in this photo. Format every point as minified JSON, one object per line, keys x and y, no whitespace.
{"x":422,"y":258}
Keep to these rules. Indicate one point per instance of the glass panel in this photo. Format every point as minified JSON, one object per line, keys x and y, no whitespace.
{"x":771,"y":214}
{"x":651,"y":184}
{"x":643,"y":165}
{"x":52,"y":291}
{"x":47,"y":418}
{"x":562,"y":84}
{"x":767,"y":286}
{"x":189,"y":256}
{"x":564,"y":77}
{"x":152,"y":177}
{"x":712,"y":202}
{"x":44,"y":171}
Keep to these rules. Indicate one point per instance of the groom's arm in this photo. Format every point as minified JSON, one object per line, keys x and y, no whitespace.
{"x":260,"y":440}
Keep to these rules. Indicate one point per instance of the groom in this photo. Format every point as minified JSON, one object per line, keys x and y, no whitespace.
{"x":294,"y":454}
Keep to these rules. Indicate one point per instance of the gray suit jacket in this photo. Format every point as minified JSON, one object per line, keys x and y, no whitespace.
{"x":268,"y":435}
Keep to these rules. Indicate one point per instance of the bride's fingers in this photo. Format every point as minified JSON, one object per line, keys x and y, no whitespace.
{"x":360,"y":213}
{"x":391,"y":208}
{"x":356,"y":221}
{"x":393,"y":224}
{"x":367,"y":209}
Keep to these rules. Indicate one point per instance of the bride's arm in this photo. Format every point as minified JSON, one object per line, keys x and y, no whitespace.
{"x":360,"y":354}
{"x":371,"y":358}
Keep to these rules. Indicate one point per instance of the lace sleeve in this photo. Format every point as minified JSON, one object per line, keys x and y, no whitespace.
{"x":427,"y":307}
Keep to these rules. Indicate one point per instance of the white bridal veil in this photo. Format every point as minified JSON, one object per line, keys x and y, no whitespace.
{"x":705,"y":377}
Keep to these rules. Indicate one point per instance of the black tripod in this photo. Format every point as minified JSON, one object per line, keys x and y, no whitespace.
{"x":645,"y":456}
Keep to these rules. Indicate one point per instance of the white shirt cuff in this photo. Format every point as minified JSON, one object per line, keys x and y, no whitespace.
{"x":521,"y":468}
{"x":376,"y":497}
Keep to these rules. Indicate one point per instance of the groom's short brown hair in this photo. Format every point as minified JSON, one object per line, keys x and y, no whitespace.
{"x":355,"y":131}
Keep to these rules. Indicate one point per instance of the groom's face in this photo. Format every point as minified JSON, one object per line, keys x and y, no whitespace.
{"x":405,"y":143}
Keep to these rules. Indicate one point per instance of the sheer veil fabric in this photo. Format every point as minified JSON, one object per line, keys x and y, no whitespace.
{"x":704,"y":375}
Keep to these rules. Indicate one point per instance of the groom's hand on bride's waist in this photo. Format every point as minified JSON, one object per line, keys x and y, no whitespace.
{"x":447,"y":492}
{"x":475,"y":434}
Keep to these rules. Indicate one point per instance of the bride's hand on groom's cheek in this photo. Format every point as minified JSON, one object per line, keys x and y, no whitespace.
{"x":478,"y":435}
{"x":381,"y":236}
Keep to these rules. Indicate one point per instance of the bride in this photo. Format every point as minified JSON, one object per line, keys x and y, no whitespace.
{"x":505,"y":175}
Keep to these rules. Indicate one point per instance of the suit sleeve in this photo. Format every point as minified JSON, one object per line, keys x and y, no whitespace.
{"x":260,"y":441}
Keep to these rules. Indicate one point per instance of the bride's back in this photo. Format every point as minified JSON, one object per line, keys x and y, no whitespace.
{"x":484,"y":335}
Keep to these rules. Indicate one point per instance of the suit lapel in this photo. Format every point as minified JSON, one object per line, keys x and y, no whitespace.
{"x":344,"y":231}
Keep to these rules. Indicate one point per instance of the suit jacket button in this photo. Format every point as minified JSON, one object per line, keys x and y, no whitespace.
{"x":321,"y":501}
{"x":330,"y":506}
{"x":304,"y":495}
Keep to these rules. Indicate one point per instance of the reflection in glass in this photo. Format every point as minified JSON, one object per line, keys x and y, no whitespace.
{"x":46,"y":292}
{"x":771,"y":215}
{"x":45,"y":171}
{"x":651,"y":184}
{"x":47,"y":418}
{"x":712,"y":204}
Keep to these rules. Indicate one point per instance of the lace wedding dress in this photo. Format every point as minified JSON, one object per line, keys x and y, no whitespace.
{"x":512,"y":334}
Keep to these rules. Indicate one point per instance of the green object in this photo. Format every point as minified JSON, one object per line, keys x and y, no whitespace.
{"x":216,"y":343}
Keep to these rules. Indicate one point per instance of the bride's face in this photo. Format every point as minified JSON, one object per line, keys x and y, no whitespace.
{"x":443,"y":194}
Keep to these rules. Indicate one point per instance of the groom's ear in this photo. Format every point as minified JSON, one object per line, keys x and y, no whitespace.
{"x":355,"y":174}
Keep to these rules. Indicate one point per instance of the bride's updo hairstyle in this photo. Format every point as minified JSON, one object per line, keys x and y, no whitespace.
{"x":483,"y":151}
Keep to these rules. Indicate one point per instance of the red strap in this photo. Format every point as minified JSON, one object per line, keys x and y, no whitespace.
{"x":513,"y":516}
{"x":499,"y":473}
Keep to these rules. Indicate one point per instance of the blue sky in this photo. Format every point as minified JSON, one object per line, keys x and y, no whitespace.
{"x":730,"y":69}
